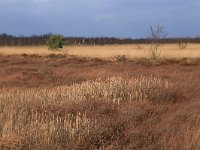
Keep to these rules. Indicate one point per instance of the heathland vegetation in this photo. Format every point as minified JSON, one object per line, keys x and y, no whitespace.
{"x":131,"y":51}
{"x":143,"y":94}
{"x":68,"y":102}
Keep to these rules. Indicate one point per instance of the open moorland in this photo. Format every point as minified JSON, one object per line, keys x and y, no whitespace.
{"x":108,"y":51}
{"x":89,"y":97}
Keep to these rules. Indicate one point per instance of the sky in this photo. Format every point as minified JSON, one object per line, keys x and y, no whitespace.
{"x":96,"y":18}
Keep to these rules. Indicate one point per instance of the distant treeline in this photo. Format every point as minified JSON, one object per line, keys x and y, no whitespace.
{"x":39,"y":40}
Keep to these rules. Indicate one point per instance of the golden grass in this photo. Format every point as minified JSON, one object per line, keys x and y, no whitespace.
{"x":30,"y":117}
{"x":18,"y":50}
{"x":146,"y":112}
{"x":109,"y":51}
{"x":135,"y":51}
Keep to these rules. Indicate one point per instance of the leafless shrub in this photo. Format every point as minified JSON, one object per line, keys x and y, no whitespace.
{"x":182,"y":45}
{"x":156,"y":35}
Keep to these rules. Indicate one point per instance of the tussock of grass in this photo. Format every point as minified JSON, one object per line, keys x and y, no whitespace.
{"x":111,"y":113}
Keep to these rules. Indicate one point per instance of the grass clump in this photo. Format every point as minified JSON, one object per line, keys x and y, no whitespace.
{"x":121,"y":58}
{"x":89,"y":115}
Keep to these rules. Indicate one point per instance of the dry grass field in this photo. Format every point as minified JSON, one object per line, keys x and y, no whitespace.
{"x":56,"y":101}
{"x":108,"y":51}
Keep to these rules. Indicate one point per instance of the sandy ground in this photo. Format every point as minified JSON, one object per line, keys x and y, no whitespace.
{"x":108,"y":51}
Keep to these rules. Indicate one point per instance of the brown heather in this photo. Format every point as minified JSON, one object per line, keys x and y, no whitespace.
{"x":63,"y":102}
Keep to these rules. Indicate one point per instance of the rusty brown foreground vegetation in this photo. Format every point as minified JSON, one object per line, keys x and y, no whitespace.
{"x":65,"y":102}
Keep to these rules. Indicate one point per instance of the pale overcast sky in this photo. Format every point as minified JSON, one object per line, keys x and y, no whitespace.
{"x":118,"y":18}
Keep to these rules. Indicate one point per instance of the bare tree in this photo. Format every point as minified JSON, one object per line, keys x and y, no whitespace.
{"x":157,"y":36}
{"x":182,"y":44}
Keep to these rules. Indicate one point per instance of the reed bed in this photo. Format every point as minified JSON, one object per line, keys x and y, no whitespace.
{"x":40,"y":118}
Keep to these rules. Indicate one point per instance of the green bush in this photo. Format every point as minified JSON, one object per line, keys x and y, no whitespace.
{"x":55,"y":42}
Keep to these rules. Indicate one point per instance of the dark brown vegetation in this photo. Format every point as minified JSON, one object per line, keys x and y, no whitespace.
{"x":41,"y":71}
{"x":168,"y":118}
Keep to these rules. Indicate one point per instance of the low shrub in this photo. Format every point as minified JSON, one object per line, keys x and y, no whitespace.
{"x":121,"y":58}
{"x":55,"y":42}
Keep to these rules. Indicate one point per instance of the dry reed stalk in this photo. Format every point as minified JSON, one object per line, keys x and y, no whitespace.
{"x":24,"y":113}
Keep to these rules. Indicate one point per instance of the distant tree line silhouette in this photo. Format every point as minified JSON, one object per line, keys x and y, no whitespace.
{"x":39,"y":40}
{"x":35,"y":40}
